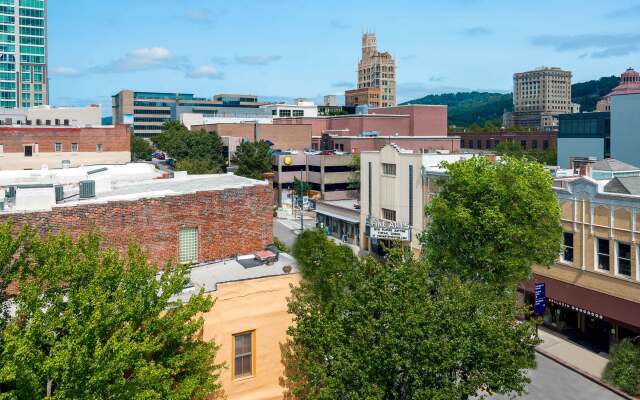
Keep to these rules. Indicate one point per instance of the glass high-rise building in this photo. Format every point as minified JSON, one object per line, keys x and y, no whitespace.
{"x":23,"y":53}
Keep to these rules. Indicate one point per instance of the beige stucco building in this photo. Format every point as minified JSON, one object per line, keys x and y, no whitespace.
{"x":377,"y":70}
{"x":593,"y":290}
{"x":249,"y":321}
{"x":395,"y":186}
{"x":539,"y":96}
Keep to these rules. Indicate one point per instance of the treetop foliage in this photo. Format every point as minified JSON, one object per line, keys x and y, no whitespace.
{"x":90,"y":323}
{"x":492,"y":221}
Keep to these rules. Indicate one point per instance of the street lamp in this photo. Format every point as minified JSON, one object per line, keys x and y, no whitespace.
{"x":288,"y":160}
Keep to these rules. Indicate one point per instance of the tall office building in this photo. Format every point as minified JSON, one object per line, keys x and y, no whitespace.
{"x":148,"y":111}
{"x":377,"y":70}
{"x":23,"y":53}
{"x":539,"y":96}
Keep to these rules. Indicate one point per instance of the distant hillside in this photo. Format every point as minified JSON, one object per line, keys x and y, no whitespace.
{"x":469,"y":107}
{"x":465,"y":108}
{"x":588,"y":93}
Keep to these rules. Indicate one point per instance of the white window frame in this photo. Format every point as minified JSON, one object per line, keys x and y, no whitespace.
{"x":617,"y":270}
{"x":56,"y":148}
{"x":99,"y":148}
{"x":77,"y":147}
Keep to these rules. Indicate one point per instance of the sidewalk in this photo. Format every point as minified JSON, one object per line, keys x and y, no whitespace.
{"x":572,"y":354}
{"x":577,"y":358}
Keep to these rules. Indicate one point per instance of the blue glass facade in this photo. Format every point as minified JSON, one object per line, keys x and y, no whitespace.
{"x":23,"y":53}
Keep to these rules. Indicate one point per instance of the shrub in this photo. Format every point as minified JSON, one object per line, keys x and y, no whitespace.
{"x":623,"y":369}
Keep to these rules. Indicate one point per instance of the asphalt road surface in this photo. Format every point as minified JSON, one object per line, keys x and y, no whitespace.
{"x":552,"y":381}
{"x":286,"y":233}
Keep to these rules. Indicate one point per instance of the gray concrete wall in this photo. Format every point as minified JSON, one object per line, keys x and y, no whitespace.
{"x":579,"y":147}
{"x":625,"y":128}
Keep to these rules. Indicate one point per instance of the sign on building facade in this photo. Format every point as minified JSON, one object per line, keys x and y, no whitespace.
{"x":388,"y":230}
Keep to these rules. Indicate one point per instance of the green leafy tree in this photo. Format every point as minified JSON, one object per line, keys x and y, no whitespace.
{"x":513,"y":149}
{"x":301,"y":187}
{"x":623,"y":369}
{"x":197,"y":167}
{"x":253,"y":159}
{"x":492,"y":221}
{"x":354,"y":179}
{"x":367,"y":331}
{"x":475,"y":128}
{"x":489,"y":127}
{"x":140,"y":149}
{"x":180,"y":143}
{"x":92,"y":324}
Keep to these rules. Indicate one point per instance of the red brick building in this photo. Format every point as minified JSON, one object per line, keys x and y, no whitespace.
{"x":409,"y":120}
{"x":189,"y":219}
{"x":31,"y":147}
{"x":489,"y":140}
{"x":283,"y":136}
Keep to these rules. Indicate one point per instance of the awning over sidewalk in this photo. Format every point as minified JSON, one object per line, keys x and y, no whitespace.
{"x":611,"y":307}
{"x":345,"y":218}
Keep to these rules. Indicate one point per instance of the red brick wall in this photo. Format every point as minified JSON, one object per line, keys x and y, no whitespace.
{"x":115,"y":138}
{"x":426,"y":120}
{"x":229,"y":222}
{"x":488,"y":140}
{"x":283,"y":136}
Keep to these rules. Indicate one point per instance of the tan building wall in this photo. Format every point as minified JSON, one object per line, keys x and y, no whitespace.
{"x":377,"y":70}
{"x":363,"y":97}
{"x":259,"y":306}
{"x":391,"y":192}
{"x":588,"y":220}
{"x":11,"y":161}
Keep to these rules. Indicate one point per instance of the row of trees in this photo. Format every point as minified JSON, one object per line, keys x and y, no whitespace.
{"x":513,"y":149}
{"x":86,"y":322}
{"x":440,"y":327}
{"x":202,"y":152}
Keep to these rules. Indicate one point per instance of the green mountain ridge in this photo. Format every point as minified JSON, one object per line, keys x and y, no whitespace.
{"x":465,"y":108}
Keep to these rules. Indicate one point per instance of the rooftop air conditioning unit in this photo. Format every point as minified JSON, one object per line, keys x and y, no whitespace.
{"x":87,"y":189}
{"x":59,"y":193}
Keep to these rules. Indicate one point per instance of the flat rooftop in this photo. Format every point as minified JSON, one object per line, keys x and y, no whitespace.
{"x":176,"y":186}
{"x":208,"y":276}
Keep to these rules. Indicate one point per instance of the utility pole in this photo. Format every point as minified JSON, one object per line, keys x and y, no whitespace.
{"x":301,"y":204}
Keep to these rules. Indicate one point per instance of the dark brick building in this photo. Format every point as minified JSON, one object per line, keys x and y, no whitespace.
{"x":489,"y":140}
{"x":188,"y":219}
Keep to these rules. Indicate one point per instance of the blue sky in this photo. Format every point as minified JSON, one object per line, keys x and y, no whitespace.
{"x":305,"y":48}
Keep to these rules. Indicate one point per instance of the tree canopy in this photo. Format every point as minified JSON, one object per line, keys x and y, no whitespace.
{"x":180,"y":143}
{"x":253,"y":159}
{"x":140,"y":149}
{"x":363,"y":330}
{"x":491,"y":221}
{"x":90,"y":323}
{"x":623,"y":369}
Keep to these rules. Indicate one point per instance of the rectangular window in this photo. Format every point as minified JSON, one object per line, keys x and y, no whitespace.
{"x":602,"y":252}
{"x":298,"y":113}
{"x":624,"y":259}
{"x":188,"y":245}
{"x":285,"y":113}
{"x":389,"y":169}
{"x":389,"y":215}
{"x":99,"y":147}
{"x":28,"y":151}
{"x":243,"y":354}
{"x":1,"y":148}
{"x":567,"y":247}
{"x":74,"y":147}
{"x":58,"y":147}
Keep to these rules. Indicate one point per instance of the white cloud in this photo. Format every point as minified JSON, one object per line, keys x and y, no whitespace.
{"x":65,"y":71}
{"x":143,"y":59}
{"x":204,"y":72}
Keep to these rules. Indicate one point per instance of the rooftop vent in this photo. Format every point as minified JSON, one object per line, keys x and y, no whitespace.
{"x":87,"y":189}
{"x":59,"y":193}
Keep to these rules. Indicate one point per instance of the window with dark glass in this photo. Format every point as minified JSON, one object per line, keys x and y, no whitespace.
{"x":602,"y":252}
{"x":624,"y":259}
{"x":243,"y":355}
{"x":389,"y":169}
{"x":389,"y":215}
{"x":567,"y":247}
